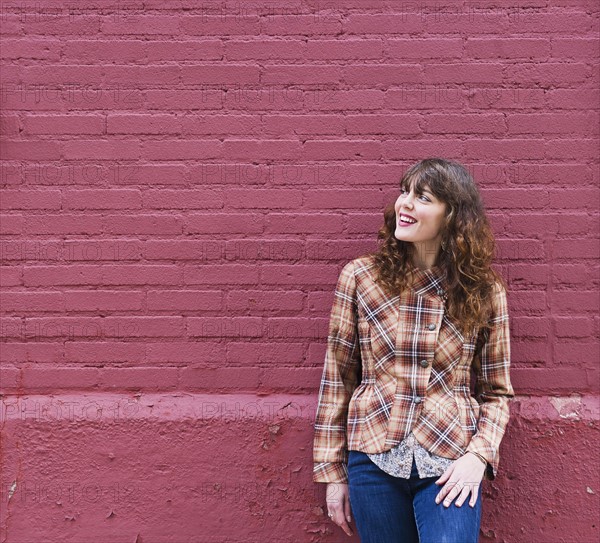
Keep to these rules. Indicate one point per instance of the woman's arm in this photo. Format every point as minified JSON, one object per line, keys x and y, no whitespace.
{"x":341,"y":374}
{"x":493,"y":388}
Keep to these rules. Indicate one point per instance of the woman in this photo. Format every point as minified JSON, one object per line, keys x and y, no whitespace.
{"x":399,"y":438}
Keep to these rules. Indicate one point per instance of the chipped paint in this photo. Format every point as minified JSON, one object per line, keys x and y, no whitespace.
{"x":12,"y":489}
{"x":567,"y":408}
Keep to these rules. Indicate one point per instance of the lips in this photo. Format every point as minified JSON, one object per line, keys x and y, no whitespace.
{"x":402,"y":223}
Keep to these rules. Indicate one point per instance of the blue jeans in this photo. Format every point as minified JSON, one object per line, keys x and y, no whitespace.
{"x":388,"y":509}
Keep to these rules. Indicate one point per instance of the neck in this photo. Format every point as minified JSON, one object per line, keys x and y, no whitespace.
{"x":424,"y":265}
{"x":426,"y":257}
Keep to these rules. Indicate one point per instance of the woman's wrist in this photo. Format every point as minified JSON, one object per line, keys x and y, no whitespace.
{"x":480,"y":457}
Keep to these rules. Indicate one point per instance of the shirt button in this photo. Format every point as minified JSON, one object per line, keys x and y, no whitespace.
{"x":418,"y":399}
{"x":424,"y":363}
{"x":431,"y":326}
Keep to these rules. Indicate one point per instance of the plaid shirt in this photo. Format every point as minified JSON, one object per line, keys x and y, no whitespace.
{"x":396,"y":364}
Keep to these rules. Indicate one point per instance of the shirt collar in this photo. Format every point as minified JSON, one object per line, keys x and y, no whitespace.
{"x":431,"y":281}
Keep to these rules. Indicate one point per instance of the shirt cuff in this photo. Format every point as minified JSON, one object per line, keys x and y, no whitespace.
{"x":330,"y":472}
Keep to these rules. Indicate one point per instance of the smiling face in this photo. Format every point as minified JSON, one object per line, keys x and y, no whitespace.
{"x":425,"y":233}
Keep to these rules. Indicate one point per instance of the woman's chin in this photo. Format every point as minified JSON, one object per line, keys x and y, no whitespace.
{"x":400,"y":236}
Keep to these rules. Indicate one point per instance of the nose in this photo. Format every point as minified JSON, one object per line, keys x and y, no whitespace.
{"x":407,"y":202}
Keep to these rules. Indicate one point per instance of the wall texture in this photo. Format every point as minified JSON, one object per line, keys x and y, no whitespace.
{"x":182,"y":182}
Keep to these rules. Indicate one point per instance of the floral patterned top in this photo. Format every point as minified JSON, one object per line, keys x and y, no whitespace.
{"x":398,"y":460}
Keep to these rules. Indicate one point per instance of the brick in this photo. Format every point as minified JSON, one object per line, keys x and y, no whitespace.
{"x":9,"y":378}
{"x":182,"y":199}
{"x":511,"y":48}
{"x":504,"y":149}
{"x":217,"y":25}
{"x":547,"y":73}
{"x":92,"y":51}
{"x":488,"y":73}
{"x":215,"y":379}
{"x":141,"y":25}
{"x":261,"y":198}
{"x":20,"y":354}
{"x":32,"y":301}
{"x":262,"y":150}
{"x":215,"y":274}
{"x":103,"y":300}
{"x":385,"y":74}
{"x":336,"y":150}
{"x":63,"y":223}
{"x":101,"y":352}
{"x":224,"y":223}
{"x":232,"y":74}
{"x":220,"y":124}
{"x":576,"y":48}
{"x":291,"y":74}
{"x":61,"y":24}
{"x":465,"y":123}
{"x":114,"y":149}
{"x":383,"y":23}
{"x":258,"y":301}
{"x":291,"y":379}
{"x":573,"y":98}
{"x":10,"y":276}
{"x":348,"y":49}
{"x":143,"y":124}
{"x":190,"y":352}
{"x":344,"y":199}
{"x":426,"y":48}
{"x":382,"y":124}
{"x":102,"y":199}
{"x":413,"y":149}
{"x":265,"y":49}
{"x":138,"y":378}
{"x":30,"y":150}
{"x":548,"y":380}
{"x":184,"y":300}
{"x":303,"y":124}
{"x":58,"y":124}
{"x":295,"y":223}
{"x":181,"y":150}
{"x":47,"y":50}
{"x":30,"y":199}
{"x":202,"y":50}
{"x":9,"y":126}
{"x":553,"y":123}
{"x":321,"y":24}
{"x":59,"y":378}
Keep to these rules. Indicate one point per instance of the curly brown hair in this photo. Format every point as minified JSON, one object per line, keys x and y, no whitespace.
{"x":467,"y":240}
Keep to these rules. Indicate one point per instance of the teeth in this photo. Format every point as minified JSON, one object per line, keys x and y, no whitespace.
{"x":404,"y":219}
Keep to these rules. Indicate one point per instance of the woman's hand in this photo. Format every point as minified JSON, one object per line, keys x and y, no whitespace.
{"x":338,"y":505}
{"x":463,"y":476}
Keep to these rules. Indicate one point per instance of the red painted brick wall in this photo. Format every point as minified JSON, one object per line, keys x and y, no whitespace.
{"x":181,"y":185}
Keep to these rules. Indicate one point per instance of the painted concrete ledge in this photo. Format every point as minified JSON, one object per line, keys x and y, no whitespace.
{"x":237,"y":468}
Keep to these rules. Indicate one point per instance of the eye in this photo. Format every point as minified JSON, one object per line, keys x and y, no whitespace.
{"x":403,"y":190}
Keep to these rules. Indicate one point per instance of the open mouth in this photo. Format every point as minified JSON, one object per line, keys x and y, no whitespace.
{"x":405,"y":221}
